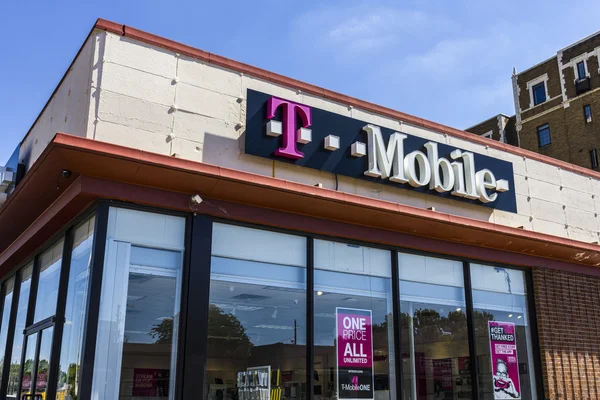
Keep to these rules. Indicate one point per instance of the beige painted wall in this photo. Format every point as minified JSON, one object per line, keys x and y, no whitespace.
{"x":67,"y":110}
{"x":162,"y":102}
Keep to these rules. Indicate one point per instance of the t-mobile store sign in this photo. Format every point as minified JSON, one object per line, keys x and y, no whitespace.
{"x":307,"y":136}
{"x":354,"y":354}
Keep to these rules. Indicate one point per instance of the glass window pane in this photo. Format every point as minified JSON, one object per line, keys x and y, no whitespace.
{"x":28,"y":367}
{"x":257,"y":314}
{"x":17,"y":348}
{"x":354,"y":349}
{"x":436,"y":363}
{"x":41,"y":383}
{"x":544,"y":138}
{"x":587,"y":113}
{"x":581,"y":70}
{"x":502,"y":332}
{"x":539,"y":93}
{"x":69,"y":367}
{"x":47,"y":293}
{"x":139,"y":306}
{"x":9,"y":287}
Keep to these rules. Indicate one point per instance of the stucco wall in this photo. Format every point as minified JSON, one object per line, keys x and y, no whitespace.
{"x":66,"y":111}
{"x":159,"y":101}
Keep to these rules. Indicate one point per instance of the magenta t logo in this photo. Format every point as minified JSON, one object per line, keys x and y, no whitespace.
{"x":355,"y":382}
{"x":287,"y":127}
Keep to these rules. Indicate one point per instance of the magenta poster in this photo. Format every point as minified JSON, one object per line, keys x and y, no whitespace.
{"x":354,"y":353}
{"x":505,"y":363}
{"x":150,"y":382}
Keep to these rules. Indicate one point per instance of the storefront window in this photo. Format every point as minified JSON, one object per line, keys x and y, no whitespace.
{"x":257,"y":315}
{"x":434,"y":332}
{"x":503,"y":335}
{"x":28,"y":366}
{"x":139,"y":307}
{"x":17,"y":347}
{"x":47,"y":292}
{"x":69,"y":367}
{"x":354,"y":352}
{"x":41,"y":382}
{"x":9,"y":287}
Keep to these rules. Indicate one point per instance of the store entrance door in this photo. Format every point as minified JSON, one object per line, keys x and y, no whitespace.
{"x":36,"y":360}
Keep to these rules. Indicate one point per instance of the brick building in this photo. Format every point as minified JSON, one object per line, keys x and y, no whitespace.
{"x":557,"y":105}
{"x":179,"y":225}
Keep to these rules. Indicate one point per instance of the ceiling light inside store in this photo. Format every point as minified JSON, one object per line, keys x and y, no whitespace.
{"x":509,"y":315}
{"x":519,"y":317}
{"x":459,"y":309}
{"x":319,"y":293}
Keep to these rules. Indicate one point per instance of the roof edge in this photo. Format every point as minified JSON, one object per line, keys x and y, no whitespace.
{"x":141,"y":156}
{"x":260,"y":73}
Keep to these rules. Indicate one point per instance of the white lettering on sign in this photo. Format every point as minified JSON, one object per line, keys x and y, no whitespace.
{"x":459,"y":177}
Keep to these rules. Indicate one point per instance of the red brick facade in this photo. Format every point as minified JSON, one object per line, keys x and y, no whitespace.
{"x":568,"y":313}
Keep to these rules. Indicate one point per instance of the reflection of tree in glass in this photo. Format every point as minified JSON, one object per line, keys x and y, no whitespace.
{"x":381,"y":333}
{"x":430,"y":326}
{"x":481,"y":319}
{"x":226,"y":333}
{"x":163,"y":332}
{"x":67,"y":380}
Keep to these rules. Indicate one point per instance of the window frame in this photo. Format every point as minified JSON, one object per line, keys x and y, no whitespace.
{"x":534,"y":88}
{"x":534,"y":83}
{"x":193,"y":325}
{"x":395,"y":250}
{"x":540,"y":129}
{"x":65,"y":233}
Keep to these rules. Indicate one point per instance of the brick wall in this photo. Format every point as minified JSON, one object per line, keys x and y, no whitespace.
{"x":560,"y":147}
{"x":486,"y":126}
{"x":568,"y":322}
{"x":549,"y":67}
{"x":572,"y":137}
{"x":580,"y":48}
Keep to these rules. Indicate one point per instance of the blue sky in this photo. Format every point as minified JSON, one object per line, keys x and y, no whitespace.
{"x":447,"y":61}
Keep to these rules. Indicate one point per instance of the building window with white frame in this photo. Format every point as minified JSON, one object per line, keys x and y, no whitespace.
{"x":538,"y":90}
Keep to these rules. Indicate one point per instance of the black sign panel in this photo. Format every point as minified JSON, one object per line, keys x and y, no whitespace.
{"x":261,"y":110}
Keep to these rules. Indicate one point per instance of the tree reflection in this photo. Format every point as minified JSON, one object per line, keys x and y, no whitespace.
{"x":430,"y":326}
{"x":226,"y":333}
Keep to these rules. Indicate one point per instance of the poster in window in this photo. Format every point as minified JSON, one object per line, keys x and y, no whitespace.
{"x":505,"y":363}
{"x":354,"y":353}
{"x":150,"y":382}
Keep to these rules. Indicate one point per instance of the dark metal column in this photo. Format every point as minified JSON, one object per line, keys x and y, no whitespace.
{"x":63,"y":287}
{"x":90,"y":329}
{"x":471,"y":331}
{"x":310,"y":317}
{"x":397,"y":324}
{"x":194,"y":346}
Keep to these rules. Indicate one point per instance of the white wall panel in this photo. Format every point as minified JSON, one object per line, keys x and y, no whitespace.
{"x":258,"y":245}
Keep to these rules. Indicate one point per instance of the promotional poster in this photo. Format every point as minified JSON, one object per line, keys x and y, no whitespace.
{"x":354,"y":354}
{"x":505,"y":363}
{"x":149,"y":382}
